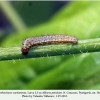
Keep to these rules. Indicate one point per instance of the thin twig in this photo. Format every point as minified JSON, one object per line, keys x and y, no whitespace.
{"x":83,"y":46}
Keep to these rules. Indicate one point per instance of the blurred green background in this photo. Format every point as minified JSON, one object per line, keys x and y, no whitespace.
{"x":19,"y":20}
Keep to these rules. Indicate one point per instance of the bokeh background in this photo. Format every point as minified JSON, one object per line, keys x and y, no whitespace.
{"x":22,"y":19}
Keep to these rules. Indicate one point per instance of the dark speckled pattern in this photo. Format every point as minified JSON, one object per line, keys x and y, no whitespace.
{"x":47,"y":39}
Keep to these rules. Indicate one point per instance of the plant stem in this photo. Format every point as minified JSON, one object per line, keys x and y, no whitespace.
{"x":12,"y":15}
{"x":83,"y":46}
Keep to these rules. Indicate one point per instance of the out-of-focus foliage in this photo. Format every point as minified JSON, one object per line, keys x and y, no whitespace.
{"x":34,"y":13}
{"x":80,"y":19}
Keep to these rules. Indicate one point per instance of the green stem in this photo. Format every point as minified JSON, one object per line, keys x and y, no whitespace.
{"x":12,"y":15}
{"x":83,"y":46}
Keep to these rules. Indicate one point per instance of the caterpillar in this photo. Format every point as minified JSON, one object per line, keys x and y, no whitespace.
{"x":46,"y":39}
